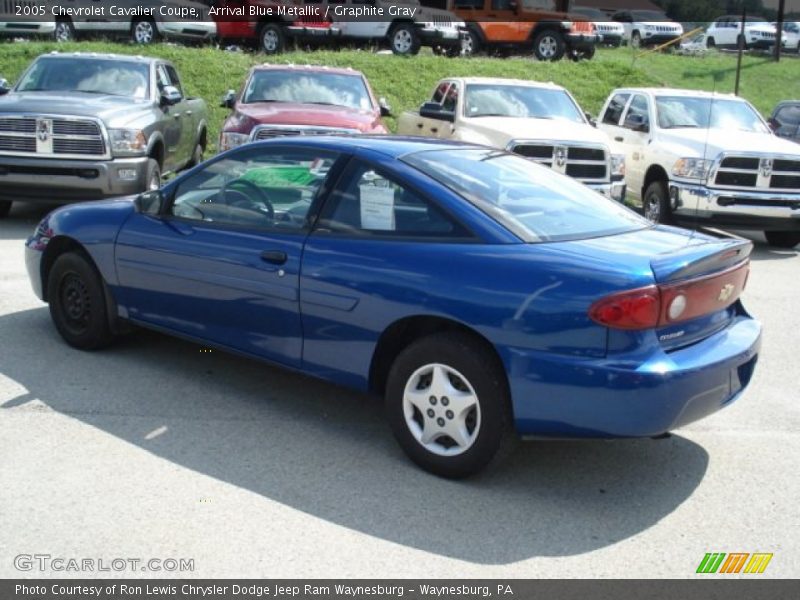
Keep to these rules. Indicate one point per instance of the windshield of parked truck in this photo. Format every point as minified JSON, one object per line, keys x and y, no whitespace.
{"x":298,"y":87}
{"x":521,"y":101}
{"x":676,"y":112}
{"x":530,"y":200}
{"x":112,"y":77}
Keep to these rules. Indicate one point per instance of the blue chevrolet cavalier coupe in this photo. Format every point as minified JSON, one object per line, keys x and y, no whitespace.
{"x":470,"y":287}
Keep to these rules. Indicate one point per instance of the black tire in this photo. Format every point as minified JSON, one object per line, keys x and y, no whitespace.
{"x":197,"y":156}
{"x":549,"y":45}
{"x":5,"y":208}
{"x":473,"y":44}
{"x":153,"y":176}
{"x":404,"y":40}
{"x":636,"y":39}
{"x":144,"y":32}
{"x":64,"y":31}
{"x":587,"y":54}
{"x":711,"y":43}
{"x":783,"y":239}
{"x":655,"y":203}
{"x":272,"y":38}
{"x":490,"y":421}
{"x":77,"y":296}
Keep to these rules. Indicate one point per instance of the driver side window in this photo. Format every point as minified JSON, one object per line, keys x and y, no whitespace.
{"x":271,"y":189}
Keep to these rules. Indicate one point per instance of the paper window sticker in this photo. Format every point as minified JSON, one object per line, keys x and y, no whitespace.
{"x":377,"y":208}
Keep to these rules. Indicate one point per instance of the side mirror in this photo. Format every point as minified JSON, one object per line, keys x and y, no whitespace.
{"x":773,"y":124}
{"x":228,"y":100}
{"x":5,"y":87}
{"x":636,"y":123}
{"x":170,"y":95}
{"x":433,"y":110}
{"x":590,"y":118}
{"x":386,"y":110}
{"x":150,"y":203}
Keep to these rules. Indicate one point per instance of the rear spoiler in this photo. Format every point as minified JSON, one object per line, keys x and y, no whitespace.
{"x":701,"y":259}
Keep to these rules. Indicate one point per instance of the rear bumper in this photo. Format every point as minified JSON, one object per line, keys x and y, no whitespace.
{"x":58,"y":181}
{"x":33,"y":264}
{"x":614,"y":190}
{"x":582,"y":41}
{"x":750,"y":209}
{"x":622,"y":397}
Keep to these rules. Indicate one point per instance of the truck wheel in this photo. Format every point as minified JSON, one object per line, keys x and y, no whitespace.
{"x":447,"y":404}
{"x":472,"y":45}
{"x":404,"y":40}
{"x":636,"y":39}
{"x":272,"y":39}
{"x":78,"y":302}
{"x":587,"y":54}
{"x":144,"y":31}
{"x":549,"y":45}
{"x":710,"y":43}
{"x":153,"y":178}
{"x":5,"y":208}
{"x":64,"y":31}
{"x":656,"y":203}
{"x":783,"y":239}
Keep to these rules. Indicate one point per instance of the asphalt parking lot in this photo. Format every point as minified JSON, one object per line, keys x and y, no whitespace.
{"x":156,"y":449}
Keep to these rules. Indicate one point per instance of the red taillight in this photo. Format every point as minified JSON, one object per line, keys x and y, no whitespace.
{"x":658,"y":306}
{"x":634,"y":309}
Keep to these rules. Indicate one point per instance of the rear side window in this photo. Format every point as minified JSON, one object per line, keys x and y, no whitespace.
{"x":615,"y":108}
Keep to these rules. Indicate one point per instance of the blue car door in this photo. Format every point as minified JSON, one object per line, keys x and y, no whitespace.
{"x":222,"y":262}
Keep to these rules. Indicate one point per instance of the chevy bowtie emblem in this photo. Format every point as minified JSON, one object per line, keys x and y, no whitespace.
{"x":726,"y":292}
{"x":765,"y":167}
{"x":43,"y":129}
{"x":560,"y":156}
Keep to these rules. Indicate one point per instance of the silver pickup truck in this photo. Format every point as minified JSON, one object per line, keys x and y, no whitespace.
{"x":90,"y":126}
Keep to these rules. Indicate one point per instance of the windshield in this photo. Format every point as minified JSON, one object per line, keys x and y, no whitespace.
{"x":521,"y":101}
{"x":680,"y":112}
{"x":113,"y":77}
{"x":530,"y":200}
{"x":308,"y":88}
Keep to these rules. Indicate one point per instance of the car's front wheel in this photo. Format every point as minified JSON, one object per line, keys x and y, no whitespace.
{"x":656,"y":206}
{"x":64,"y":31}
{"x":77,"y":299}
{"x":273,"y":41}
{"x":404,"y":39}
{"x":144,"y":31}
{"x":549,"y":45}
{"x":782,"y":239}
{"x":447,"y":403}
{"x":5,"y":208}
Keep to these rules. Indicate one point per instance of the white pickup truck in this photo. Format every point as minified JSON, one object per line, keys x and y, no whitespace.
{"x":540,"y":121}
{"x":698,"y":158}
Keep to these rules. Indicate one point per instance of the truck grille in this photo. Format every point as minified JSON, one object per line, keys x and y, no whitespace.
{"x":51,"y":136}
{"x":588,"y":164}
{"x":763,"y":172}
{"x":266,"y":132}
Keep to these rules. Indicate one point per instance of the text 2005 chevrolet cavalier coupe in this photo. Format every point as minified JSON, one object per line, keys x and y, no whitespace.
{"x":470,"y":287}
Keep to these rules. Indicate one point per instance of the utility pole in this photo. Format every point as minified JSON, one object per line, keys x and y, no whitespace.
{"x":740,"y":44}
{"x":779,"y":27}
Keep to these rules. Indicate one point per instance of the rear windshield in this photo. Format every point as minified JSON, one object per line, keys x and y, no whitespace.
{"x":530,"y":200}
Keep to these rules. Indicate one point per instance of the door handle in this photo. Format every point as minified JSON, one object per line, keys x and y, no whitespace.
{"x":275,"y":257}
{"x":420,"y":124}
{"x":619,"y":138}
{"x":434,"y":130}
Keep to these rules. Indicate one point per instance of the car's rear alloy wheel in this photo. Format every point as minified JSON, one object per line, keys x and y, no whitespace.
{"x":656,"y":203}
{"x":144,"y":31}
{"x":5,"y":208}
{"x":447,"y":403}
{"x":272,"y":39}
{"x":77,"y":302}
{"x":782,"y":239}
{"x":404,"y":40}
{"x":636,"y":39}
{"x":549,"y":45}
{"x":711,"y":43}
{"x":471,"y":45}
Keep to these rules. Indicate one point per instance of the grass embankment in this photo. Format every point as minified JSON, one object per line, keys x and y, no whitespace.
{"x":406,"y":82}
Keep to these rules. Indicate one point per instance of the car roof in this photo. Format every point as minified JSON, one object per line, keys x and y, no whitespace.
{"x":393,"y":146}
{"x":506,"y":81}
{"x":104,"y":55}
{"x":655,"y":91}
{"x":307,"y":69}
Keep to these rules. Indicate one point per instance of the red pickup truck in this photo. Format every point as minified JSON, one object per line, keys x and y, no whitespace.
{"x":282,"y":100}
{"x":268,"y":24}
